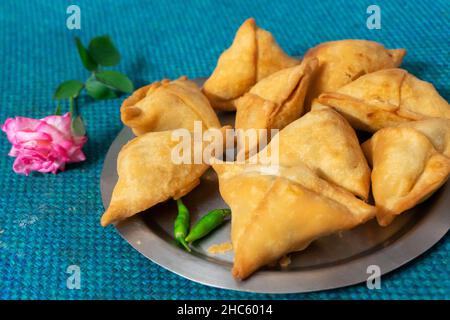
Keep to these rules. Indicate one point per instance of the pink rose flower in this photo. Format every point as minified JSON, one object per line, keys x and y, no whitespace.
{"x":44,"y":145}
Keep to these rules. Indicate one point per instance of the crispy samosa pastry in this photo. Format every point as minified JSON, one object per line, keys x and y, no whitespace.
{"x":282,"y":207}
{"x":326,"y":143}
{"x":341,"y":62}
{"x":253,"y":55}
{"x":276,"y":100}
{"x":273,"y":215}
{"x":410,"y":162}
{"x":167,"y":105}
{"x":149,"y":175}
{"x":386,"y":98}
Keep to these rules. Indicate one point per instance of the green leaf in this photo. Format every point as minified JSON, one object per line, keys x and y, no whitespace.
{"x":58,"y":109}
{"x":78,"y":127}
{"x":115,"y":79}
{"x":103,"y":51}
{"x":98,"y":90}
{"x":68,"y":89}
{"x":72,"y":107}
{"x":85,"y":57}
{"x":77,"y":124}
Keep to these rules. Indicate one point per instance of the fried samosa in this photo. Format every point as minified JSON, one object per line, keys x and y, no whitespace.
{"x":149,"y":175}
{"x":410,"y":162}
{"x":167,"y":105}
{"x":326,"y":143}
{"x":283,"y":207}
{"x":341,"y":62}
{"x":253,"y":55}
{"x":386,"y":98}
{"x":276,"y":100}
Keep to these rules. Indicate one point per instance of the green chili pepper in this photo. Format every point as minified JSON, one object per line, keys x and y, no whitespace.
{"x":181,"y":225}
{"x":208,"y":223}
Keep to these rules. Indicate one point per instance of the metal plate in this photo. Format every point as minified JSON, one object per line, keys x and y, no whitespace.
{"x":335,"y":261}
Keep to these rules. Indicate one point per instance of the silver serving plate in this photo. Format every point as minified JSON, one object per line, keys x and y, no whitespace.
{"x":335,"y":261}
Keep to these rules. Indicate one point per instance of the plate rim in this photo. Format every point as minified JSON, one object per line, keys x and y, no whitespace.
{"x":406,"y":248}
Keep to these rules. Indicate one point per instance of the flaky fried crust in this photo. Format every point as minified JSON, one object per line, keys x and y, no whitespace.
{"x":253,"y":55}
{"x":167,"y":105}
{"x":343,"y":61}
{"x":410,"y":162}
{"x":275,"y":101}
{"x":386,"y":98}
{"x":308,"y":193}
{"x":148,"y":176}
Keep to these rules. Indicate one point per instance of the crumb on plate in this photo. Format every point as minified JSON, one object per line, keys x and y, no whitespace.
{"x":220,"y":248}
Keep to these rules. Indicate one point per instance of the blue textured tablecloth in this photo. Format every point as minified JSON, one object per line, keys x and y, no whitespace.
{"x":48,"y":222}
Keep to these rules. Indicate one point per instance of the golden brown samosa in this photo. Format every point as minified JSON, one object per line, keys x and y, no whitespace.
{"x":276,"y":100}
{"x":149,"y":175}
{"x":167,"y":105}
{"x":326,"y":143}
{"x":410,"y":162}
{"x":309,"y":191}
{"x":253,"y":55}
{"x":386,"y":98}
{"x":343,"y":61}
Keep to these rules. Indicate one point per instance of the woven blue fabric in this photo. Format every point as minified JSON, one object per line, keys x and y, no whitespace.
{"x":48,"y":222}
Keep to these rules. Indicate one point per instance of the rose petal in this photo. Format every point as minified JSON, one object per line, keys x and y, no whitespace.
{"x":13,"y":125}
{"x":20,"y":166}
{"x":53,"y":132}
{"x":61,"y":152}
{"x":77,"y":156}
{"x":62,"y":123}
{"x":26,"y":136}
